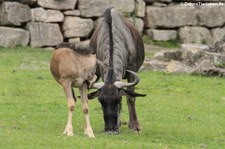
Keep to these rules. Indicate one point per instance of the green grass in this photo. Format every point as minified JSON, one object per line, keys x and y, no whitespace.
{"x":149,"y":53}
{"x":171,"y":44}
{"x":179,"y":111}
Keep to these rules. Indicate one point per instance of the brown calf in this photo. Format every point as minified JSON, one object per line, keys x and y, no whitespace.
{"x":73,"y":69}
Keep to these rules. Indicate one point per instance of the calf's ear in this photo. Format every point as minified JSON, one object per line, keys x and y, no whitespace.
{"x":93,"y":95}
{"x":131,"y":94}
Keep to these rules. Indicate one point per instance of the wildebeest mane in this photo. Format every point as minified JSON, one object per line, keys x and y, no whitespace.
{"x":73,"y":47}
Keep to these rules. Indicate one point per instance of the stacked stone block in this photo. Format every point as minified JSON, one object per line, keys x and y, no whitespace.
{"x":46,"y":23}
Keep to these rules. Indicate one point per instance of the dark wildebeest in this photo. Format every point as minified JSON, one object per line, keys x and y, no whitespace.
{"x":118,"y":44}
{"x":71,"y":68}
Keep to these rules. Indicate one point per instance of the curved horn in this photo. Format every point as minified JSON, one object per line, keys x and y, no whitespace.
{"x":98,"y":85}
{"x":120,"y":84}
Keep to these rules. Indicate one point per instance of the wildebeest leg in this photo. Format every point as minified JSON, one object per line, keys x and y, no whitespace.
{"x":87,"y":126}
{"x":133,"y":121}
{"x":71,"y":104}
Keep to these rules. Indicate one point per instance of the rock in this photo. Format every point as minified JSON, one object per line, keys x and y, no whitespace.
{"x":170,"y":17}
{"x":154,"y":65}
{"x":140,"y":8}
{"x":77,"y":27}
{"x":74,"y":40}
{"x":162,"y":35}
{"x":157,"y":4}
{"x":203,"y":0}
{"x":58,"y":4}
{"x":191,"y":56}
{"x":211,"y":16}
{"x":200,"y":35}
{"x":176,"y":67}
{"x":148,"y":2}
{"x":42,"y":15}
{"x":195,"y":46}
{"x":167,"y":1}
{"x":12,"y":37}
{"x":206,"y":67}
{"x":216,"y":72}
{"x":218,"y":59}
{"x":148,"y":32}
{"x":44,"y":34}
{"x":96,"y":8}
{"x":219,"y":46}
{"x":72,"y":13}
{"x":28,"y":2}
{"x":205,"y":63}
{"x":203,"y":66}
{"x":9,"y":13}
{"x":126,"y":7}
{"x":217,"y":34}
{"x":167,"y":55}
{"x":51,"y":49}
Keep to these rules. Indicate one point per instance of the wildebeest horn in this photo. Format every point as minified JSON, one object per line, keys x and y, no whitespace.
{"x":120,"y":84}
{"x":98,"y":85}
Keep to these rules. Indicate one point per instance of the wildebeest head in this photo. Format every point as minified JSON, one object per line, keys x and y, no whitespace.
{"x":110,"y":95}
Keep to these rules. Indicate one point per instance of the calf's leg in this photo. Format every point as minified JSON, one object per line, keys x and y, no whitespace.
{"x":71,"y":104}
{"x":87,"y":126}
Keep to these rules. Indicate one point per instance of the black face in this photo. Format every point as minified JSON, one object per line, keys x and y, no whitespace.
{"x":110,"y":100}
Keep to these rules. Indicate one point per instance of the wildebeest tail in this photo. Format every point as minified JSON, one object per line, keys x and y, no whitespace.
{"x":108,"y":21}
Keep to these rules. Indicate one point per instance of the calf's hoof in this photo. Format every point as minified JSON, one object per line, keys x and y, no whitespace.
{"x":89,"y":133}
{"x":68,"y":131}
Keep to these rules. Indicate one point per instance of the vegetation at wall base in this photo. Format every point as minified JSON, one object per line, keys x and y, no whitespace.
{"x":171,"y":44}
{"x":179,"y":111}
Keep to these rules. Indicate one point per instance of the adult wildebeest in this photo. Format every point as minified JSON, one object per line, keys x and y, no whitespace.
{"x":117,"y":44}
{"x":71,"y":68}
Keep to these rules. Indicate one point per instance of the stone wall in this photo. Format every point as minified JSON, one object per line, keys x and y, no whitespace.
{"x":190,"y":59}
{"x":46,"y":23}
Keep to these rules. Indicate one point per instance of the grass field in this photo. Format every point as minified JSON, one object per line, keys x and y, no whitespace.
{"x":179,"y":111}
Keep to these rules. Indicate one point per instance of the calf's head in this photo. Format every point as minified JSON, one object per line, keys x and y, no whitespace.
{"x":110,"y":96}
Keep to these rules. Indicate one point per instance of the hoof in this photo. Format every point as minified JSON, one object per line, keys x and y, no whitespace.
{"x":68,"y":131}
{"x":89,"y":133}
{"x":135,"y":127}
{"x":111,"y":132}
